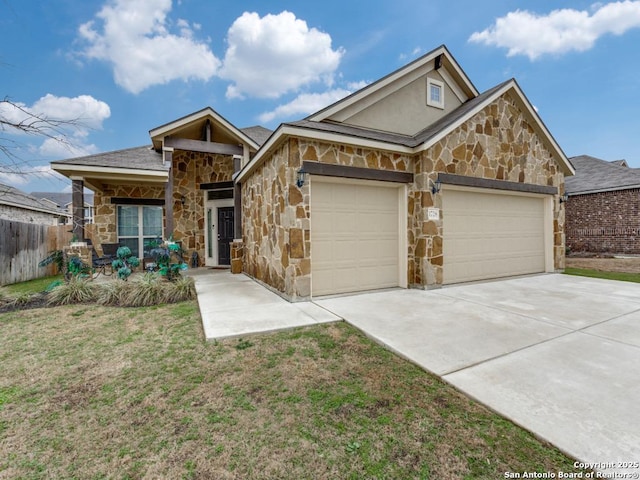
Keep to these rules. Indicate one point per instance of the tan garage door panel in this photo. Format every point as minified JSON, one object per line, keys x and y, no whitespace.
{"x":491,"y":235}
{"x":354,"y":237}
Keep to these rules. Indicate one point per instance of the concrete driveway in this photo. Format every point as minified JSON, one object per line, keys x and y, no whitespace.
{"x":556,"y":354}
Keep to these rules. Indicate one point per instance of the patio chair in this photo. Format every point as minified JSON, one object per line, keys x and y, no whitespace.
{"x":100,"y":263}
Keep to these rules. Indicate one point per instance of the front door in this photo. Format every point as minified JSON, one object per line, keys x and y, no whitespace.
{"x":225,"y":235}
{"x":218,"y":232}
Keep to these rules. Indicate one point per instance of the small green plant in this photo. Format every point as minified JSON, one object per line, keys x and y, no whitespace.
{"x":54,"y":257}
{"x":125,"y":263}
{"x":168,"y":258}
{"x":76,"y":268}
{"x":243,"y":344}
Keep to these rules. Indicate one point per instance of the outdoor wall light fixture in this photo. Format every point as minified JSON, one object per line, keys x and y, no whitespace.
{"x":300,"y":178}
{"x":435,"y":188}
{"x":183,"y":200}
{"x":564,"y":198}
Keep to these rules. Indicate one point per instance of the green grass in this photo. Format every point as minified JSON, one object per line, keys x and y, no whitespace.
{"x":32,"y":286}
{"x":623,"y":276}
{"x":103,"y":392}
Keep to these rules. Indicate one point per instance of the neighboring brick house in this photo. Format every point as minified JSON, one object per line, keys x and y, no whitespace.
{"x":18,"y":206}
{"x":417,"y":180}
{"x":603,"y":207}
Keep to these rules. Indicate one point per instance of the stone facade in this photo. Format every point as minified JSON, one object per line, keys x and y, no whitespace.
{"x":275,"y":225}
{"x":190,"y":170}
{"x":497,"y":143}
{"x":605,"y":222}
{"x":105,"y":212}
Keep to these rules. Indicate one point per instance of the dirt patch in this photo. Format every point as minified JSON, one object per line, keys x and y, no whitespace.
{"x":626,"y":265}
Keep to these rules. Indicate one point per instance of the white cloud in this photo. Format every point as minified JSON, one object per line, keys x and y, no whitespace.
{"x":561,"y":31}
{"x":308,"y":103}
{"x":26,"y":175}
{"x":63,"y":123}
{"x":305,"y":104}
{"x":270,"y":56}
{"x":134,"y":36}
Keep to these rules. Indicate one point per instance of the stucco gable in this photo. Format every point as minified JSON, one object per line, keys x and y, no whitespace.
{"x":397,"y":103}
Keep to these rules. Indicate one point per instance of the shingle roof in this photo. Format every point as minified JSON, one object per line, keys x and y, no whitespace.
{"x":257,"y":133}
{"x":138,"y":158}
{"x":398,"y":139}
{"x":595,"y":175}
{"x":12,"y":196}
{"x":61,"y":198}
{"x":358,"y":132}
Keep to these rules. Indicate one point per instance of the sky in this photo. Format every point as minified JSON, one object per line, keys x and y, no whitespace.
{"x":111,"y":70}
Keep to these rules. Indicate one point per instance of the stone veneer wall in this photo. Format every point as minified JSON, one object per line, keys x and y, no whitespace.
{"x":276,"y":224}
{"x":106,"y":230}
{"x":605,"y":222}
{"x":497,"y":143}
{"x":190,"y":170}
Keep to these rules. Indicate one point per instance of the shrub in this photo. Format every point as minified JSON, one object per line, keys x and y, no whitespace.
{"x":56,"y":257}
{"x":162,"y":253}
{"x":112,"y":293}
{"x":125,"y":263}
{"x":181,"y":289}
{"x":76,"y":290}
{"x":145,"y":291}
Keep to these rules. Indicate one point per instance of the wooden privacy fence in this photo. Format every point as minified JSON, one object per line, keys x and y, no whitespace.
{"x":24,"y":245}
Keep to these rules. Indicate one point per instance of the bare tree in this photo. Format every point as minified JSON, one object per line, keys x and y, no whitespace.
{"x":25,"y":122}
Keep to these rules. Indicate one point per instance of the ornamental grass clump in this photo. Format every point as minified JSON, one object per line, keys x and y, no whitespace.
{"x":145,"y":291}
{"x":75,"y":290}
{"x":112,"y":293}
{"x":181,"y":289}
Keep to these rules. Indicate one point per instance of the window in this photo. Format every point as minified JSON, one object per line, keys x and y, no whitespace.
{"x":138,"y":224}
{"x":435,"y":93}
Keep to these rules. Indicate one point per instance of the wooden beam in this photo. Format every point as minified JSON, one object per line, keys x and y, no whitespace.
{"x":464,"y":181}
{"x":342,"y":171}
{"x":168,"y":195}
{"x":77,"y":200}
{"x":204,"y":147}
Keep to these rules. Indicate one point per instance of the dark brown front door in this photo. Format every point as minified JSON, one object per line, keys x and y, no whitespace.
{"x":225,"y":235}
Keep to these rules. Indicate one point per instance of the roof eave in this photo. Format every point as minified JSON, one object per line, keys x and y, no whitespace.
{"x":394,"y":76}
{"x":603,"y":190}
{"x":167,"y":128}
{"x":70,"y":170}
{"x":285,"y":130}
{"x":510,"y":85}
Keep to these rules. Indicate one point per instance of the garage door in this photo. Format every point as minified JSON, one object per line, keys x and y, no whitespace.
{"x":489,"y":235}
{"x":354,"y":237}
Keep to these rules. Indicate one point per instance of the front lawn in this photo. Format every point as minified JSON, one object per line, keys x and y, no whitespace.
{"x":32,"y":286}
{"x":92,"y":392}
{"x":586,"y":272}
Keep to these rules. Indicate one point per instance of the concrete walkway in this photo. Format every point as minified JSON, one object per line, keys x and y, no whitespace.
{"x":556,"y":354}
{"x":236,"y":306}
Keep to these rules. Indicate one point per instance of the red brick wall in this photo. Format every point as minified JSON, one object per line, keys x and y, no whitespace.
{"x":607,"y":222}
